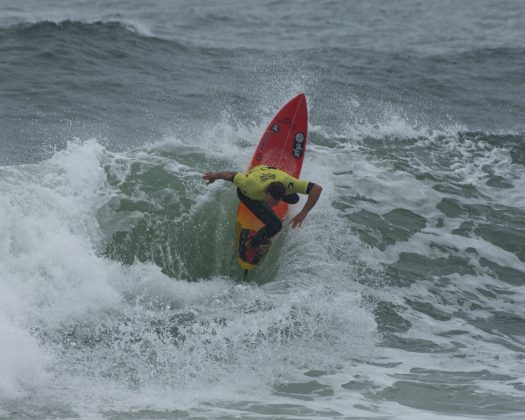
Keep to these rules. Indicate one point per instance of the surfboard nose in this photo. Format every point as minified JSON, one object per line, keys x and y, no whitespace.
{"x":301,"y":98}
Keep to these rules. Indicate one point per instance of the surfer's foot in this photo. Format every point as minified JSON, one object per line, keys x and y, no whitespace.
{"x":265,"y":247}
{"x":261,"y":248}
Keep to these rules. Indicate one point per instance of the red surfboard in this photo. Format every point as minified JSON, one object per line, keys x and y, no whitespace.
{"x":282,"y":146}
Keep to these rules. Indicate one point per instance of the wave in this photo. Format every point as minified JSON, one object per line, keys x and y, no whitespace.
{"x":117,"y":277}
{"x":25,"y":27}
{"x":362,"y":55}
{"x":69,"y":301}
{"x":84,"y":31}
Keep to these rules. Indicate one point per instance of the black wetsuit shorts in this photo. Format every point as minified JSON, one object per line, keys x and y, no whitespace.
{"x":263,"y":212}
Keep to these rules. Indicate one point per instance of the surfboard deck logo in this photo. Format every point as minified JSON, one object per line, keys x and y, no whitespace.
{"x":282,"y":145}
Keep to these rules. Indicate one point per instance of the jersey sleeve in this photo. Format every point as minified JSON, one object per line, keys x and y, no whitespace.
{"x":295,"y":185}
{"x":240,"y":179}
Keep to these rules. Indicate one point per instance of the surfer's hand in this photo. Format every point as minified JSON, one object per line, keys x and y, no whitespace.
{"x":298,"y":219}
{"x":209,"y":177}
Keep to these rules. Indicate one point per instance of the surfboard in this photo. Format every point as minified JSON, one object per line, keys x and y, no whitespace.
{"x":283,"y":146}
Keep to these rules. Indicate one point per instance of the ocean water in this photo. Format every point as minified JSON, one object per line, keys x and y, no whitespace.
{"x":402,"y":296}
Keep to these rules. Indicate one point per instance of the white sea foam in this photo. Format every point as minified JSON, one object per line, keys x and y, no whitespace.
{"x":23,"y":363}
{"x":48,"y":272}
{"x":136,"y":26}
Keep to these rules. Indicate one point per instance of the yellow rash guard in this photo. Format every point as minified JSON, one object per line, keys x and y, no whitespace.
{"x":254,"y":182}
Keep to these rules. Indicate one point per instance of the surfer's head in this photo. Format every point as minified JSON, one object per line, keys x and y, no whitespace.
{"x":274,"y":193}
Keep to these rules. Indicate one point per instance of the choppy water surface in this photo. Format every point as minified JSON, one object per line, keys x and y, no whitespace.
{"x":401,"y":296}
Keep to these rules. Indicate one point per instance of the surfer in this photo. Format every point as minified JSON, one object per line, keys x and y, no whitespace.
{"x":262,"y":188}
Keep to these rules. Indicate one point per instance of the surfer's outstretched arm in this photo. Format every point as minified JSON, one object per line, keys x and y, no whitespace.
{"x":211,"y":177}
{"x":313,"y":196}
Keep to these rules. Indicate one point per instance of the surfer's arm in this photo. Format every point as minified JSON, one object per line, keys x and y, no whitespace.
{"x":313,"y":195}
{"x":211,"y":177}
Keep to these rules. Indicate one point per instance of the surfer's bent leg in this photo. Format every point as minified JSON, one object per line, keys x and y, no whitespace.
{"x":265,"y":214}
{"x":292,"y":198}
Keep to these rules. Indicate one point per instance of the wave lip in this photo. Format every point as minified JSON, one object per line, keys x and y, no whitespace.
{"x":72,"y":26}
{"x":134,"y":25}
